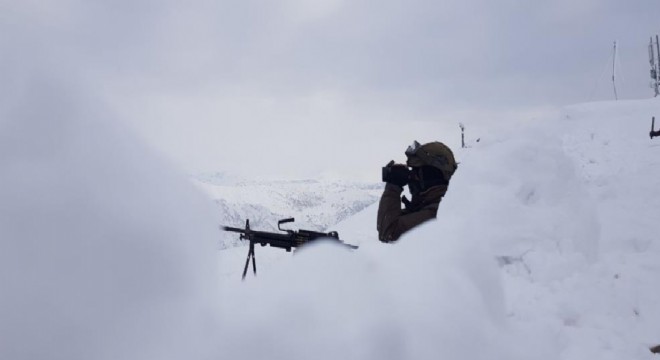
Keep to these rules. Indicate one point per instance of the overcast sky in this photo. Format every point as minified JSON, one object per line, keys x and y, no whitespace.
{"x":300,"y":88}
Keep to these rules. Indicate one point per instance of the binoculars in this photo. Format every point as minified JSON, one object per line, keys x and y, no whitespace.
{"x":397,"y":174}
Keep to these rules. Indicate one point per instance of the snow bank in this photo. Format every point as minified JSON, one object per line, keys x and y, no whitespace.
{"x":569,"y":206}
{"x":521,"y":196}
{"x":517,"y":198}
{"x":424,"y":299}
{"x":105,"y":253}
{"x":618,"y":162}
{"x":436,"y":293}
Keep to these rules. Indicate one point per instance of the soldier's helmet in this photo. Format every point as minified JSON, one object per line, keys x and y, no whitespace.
{"x":435,"y":154}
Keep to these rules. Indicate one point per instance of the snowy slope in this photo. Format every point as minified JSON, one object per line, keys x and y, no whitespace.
{"x":564,"y":207}
{"x":606,"y":308}
{"x":544,"y":248}
{"x":105,"y":251}
{"x":570,"y":209}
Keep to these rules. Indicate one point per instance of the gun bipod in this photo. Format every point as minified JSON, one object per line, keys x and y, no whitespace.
{"x":250,"y":255}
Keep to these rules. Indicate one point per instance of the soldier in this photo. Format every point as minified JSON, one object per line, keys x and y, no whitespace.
{"x":431,"y":167}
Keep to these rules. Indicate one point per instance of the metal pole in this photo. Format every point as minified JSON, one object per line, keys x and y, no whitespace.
{"x":657,"y":70}
{"x":654,"y":84}
{"x":616,"y":97}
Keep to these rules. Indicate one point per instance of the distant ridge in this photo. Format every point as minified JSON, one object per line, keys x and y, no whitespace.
{"x":315,"y":204}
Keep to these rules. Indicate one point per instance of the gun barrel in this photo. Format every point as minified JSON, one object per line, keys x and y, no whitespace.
{"x":233,"y":229}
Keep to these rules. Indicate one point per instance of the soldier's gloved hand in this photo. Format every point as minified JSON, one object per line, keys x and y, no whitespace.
{"x":397,"y":174}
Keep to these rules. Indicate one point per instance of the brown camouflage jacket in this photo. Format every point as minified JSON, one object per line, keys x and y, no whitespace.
{"x":394,"y":221}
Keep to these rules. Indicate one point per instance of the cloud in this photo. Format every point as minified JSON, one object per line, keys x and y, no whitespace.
{"x":288,"y":69}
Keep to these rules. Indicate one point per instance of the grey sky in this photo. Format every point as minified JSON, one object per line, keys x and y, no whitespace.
{"x":295,"y":88}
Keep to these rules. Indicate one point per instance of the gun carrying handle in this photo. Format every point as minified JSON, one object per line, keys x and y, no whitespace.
{"x":284,"y":221}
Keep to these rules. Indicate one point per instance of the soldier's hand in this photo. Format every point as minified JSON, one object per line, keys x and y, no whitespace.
{"x":397,"y":174}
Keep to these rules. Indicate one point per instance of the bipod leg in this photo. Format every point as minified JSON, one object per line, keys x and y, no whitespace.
{"x":254,"y":261}
{"x":247,"y":261}
{"x":653,"y":133}
{"x":652,"y":127}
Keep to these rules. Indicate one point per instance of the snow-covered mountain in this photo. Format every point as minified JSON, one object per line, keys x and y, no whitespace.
{"x":315,"y":204}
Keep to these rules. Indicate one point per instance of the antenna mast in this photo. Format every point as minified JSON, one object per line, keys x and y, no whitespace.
{"x":616,"y":97}
{"x":655,"y":67}
{"x":462,"y":135}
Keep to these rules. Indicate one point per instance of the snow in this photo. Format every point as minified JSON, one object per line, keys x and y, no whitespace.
{"x":105,"y":252}
{"x":383,"y":302}
{"x":544,"y":248}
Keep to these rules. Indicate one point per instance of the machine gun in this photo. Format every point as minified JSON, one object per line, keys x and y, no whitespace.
{"x":287,"y":240}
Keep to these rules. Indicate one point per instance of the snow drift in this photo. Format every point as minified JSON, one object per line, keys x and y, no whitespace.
{"x":105,"y":252}
{"x":544,"y":248}
{"x":520,"y":194}
{"x":418,"y":300}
